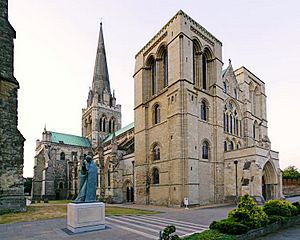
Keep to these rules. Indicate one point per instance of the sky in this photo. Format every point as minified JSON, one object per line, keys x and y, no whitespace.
{"x":56,"y":43}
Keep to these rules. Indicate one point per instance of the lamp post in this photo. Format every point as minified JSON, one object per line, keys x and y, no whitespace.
{"x":236,"y":186}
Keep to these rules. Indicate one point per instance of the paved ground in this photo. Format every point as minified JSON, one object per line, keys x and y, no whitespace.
{"x":136,"y":227}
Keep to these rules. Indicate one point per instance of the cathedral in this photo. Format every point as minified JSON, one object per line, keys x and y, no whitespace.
{"x":200,"y":130}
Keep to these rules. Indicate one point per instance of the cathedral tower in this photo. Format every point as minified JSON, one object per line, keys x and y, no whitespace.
{"x":177,"y":82}
{"x":102,"y":115}
{"x":11,"y":140}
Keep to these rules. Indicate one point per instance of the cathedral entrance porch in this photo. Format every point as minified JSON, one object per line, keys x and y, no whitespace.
{"x":269,"y":182}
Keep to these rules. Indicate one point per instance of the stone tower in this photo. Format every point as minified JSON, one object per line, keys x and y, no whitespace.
{"x":102,"y":115}
{"x":175,"y":72}
{"x":11,"y":140}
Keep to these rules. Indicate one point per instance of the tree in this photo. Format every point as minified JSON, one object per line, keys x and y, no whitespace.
{"x":291,"y":172}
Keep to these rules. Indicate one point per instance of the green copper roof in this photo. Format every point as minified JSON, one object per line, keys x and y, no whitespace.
{"x":119,"y":132}
{"x":70,"y":139}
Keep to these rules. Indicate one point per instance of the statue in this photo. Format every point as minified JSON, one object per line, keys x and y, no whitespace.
{"x":88,"y":181}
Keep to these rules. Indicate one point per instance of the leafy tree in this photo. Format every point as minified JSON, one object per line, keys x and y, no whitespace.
{"x":291,"y":172}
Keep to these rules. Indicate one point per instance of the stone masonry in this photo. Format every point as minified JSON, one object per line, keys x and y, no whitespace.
{"x":11,"y":140}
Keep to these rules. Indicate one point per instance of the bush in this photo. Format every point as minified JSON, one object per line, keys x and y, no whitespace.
{"x":280,"y":208}
{"x":249,"y":214}
{"x":209,"y":235}
{"x":169,"y":233}
{"x":275,"y":218}
{"x":297,"y":205}
{"x":229,"y":226}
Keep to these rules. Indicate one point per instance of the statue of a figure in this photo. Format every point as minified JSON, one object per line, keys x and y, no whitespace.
{"x":88,"y":181}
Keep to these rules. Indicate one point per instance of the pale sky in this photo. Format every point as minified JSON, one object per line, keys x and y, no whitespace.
{"x":56,"y":45}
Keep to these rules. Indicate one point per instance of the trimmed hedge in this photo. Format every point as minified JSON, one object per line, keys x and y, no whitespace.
{"x":280,"y":208}
{"x":229,"y":226}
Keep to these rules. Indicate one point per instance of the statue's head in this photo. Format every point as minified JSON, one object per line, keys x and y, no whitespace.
{"x":88,"y":158}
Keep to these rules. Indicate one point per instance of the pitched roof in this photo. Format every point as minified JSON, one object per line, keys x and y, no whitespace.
{"x":69,"y":139}
{"x":119,"y":132}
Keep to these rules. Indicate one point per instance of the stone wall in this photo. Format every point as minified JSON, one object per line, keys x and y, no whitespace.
{"x":11,"y":140}
{"x":291,"y":187}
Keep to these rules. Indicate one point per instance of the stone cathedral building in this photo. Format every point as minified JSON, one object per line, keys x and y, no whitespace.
{"x":11,"y":140}
{"x":200,"y":130}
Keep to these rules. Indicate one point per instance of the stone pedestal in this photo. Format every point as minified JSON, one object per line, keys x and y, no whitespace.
{"x":84,"y":217}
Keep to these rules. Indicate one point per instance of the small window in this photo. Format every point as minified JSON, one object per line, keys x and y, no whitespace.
{"x":61,"y":185}
{"x":235,"y":93}
{"x":156,"y":114}
{"x":155,"y":176}
{"x":231,"y":145}
{"x":156,"y":152}
{"x":224,"y":87}
{"x":225,"y":146}
{"x":165,"y":62}
{"x":62,"y":156}
{"x":203,"y":111}
{"x":205,"y":150}
{"x":204,"y":72}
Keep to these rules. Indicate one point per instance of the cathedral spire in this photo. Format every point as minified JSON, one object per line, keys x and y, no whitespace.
{"x":101,"y":78}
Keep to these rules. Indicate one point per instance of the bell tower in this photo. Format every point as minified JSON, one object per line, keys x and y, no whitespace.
{"x":102,"y":115}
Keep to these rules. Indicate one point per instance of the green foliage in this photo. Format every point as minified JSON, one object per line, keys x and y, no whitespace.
{"x":275,"y":218}
{"x":168,"y":233}
{"x":210,"y":235}
{"x":249,"y":214}
{"x":280,"y":208}
{"x":297,"y":205}
{"x":229,"y":226}
{"x":291,"y":172}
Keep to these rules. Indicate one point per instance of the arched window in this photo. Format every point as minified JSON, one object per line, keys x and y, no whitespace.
{"x":203,"y":111}
{"x":153,"y":76}
{"x":225,"y":146}
{"x":230,"y":123}
{"x":111,"y":125}
{"x":196,"y":63}
{"x":62,"y":156}
{"x":156,"y":152}
{"x":255,"y":130}
{"x":100,"y":124}
{"x":205,"y":147}
{"x":204,"y":72}
{"x":156,"y":114}
{"x":227,"y":123}
{"x":224,"y":121}
{"x":224,"y":87}
{"x":165,"y":64}
{"x":231,"y":145}
{"x":155,"y":176}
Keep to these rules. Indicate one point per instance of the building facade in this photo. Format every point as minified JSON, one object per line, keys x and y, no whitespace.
{"x":199,"y":132}
{"x":11,"y":140}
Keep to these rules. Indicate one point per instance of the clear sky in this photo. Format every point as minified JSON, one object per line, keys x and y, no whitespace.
{"x":56,"y":45}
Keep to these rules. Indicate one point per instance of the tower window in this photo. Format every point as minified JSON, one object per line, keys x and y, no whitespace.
{"x":203,"y":111}
{"x":204,"y":72}
{"x":153,"y":76}
{"x":231,"y":145}
{"x":156,"y":114}
{"x":156,"y":152}
{"x":205,"y":147}
{"x":225,"y":146}
{"x":165,"y":62}
{"x":224,"y":87}
{"x":155,"y":176}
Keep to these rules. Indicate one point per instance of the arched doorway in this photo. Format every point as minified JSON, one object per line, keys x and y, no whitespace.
{"x":128,"y":192}
{"x":269,"y":182}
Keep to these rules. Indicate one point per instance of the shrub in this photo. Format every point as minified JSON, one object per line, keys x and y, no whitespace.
{"x":280,"y":208}
{"x":229,"y":226}
{"x":209,"y":235}
{"x":168,"y":233}
{"x":249,"y":214}
{"x":275,"y":218}
{"x":297,"y":205}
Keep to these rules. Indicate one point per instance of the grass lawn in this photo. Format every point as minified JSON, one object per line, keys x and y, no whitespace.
{"x":58,"y":209}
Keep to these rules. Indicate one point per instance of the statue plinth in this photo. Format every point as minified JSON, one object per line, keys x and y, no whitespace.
{"x":84,"y":217}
